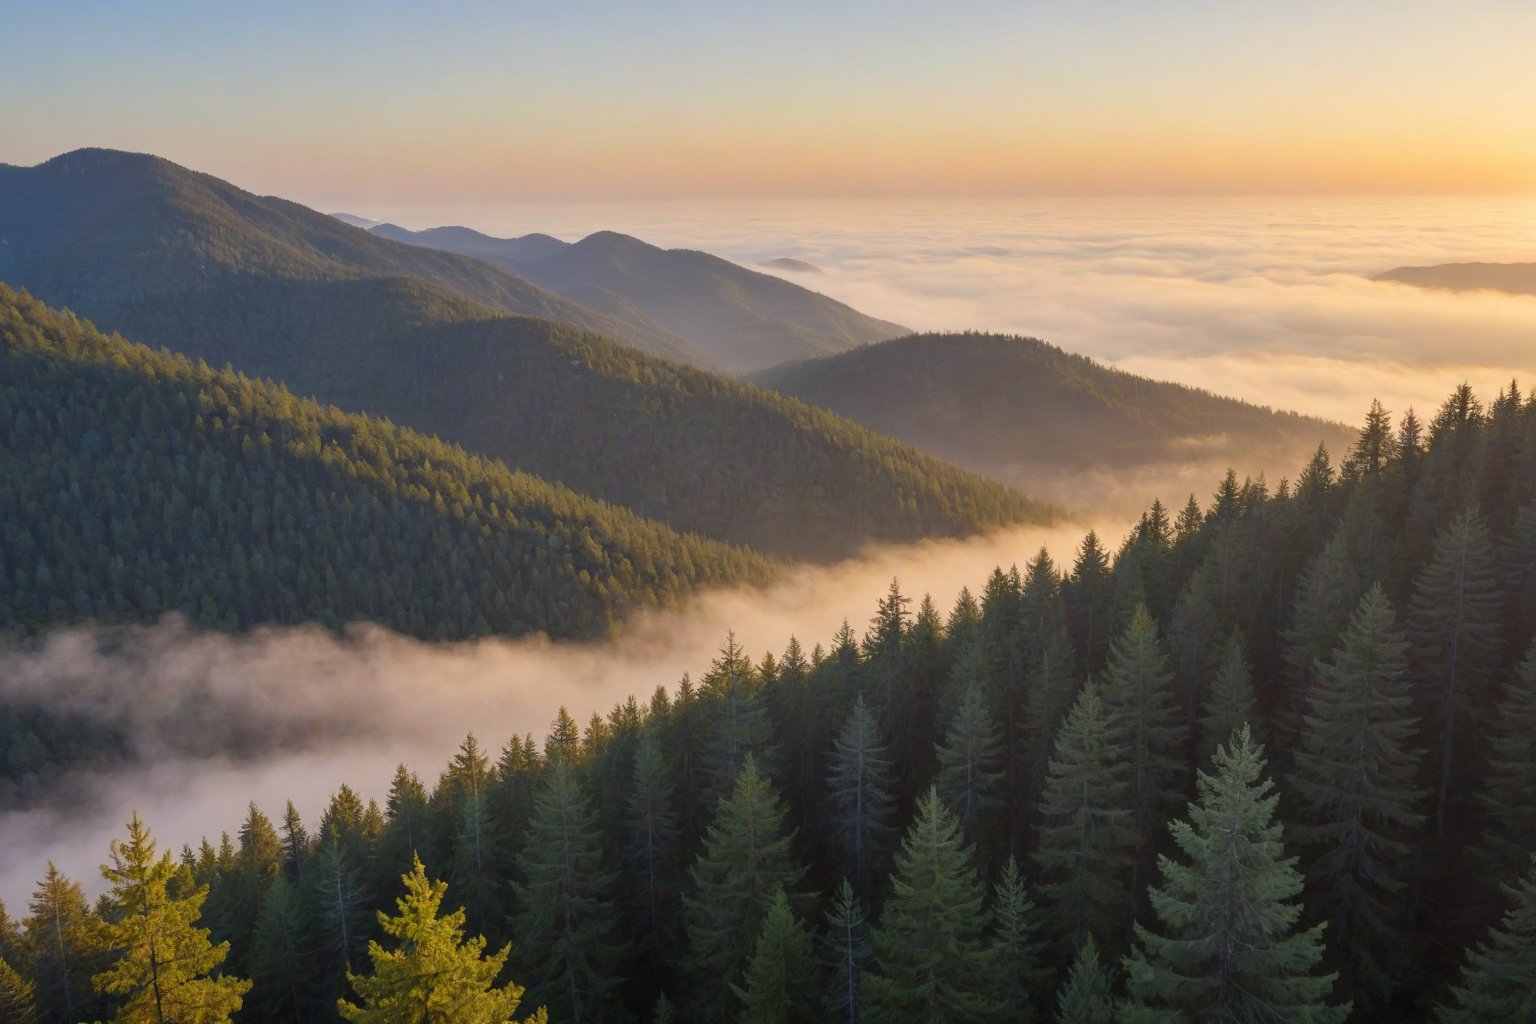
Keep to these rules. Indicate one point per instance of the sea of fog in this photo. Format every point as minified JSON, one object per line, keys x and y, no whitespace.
{"x":1269,"y":300}
{"x":1265,"y":299}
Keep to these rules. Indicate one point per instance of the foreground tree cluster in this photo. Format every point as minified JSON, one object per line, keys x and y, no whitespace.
{"x":1270,"y":760}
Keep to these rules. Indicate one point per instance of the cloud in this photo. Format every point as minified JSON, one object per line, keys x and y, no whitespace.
{"x":218,"y":721}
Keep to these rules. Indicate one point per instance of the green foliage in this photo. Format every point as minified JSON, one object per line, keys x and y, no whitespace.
{"x":778,"y":985}
{"x":859,"y":792}
{"x":847,"y":949}
{"x":1505,"y":796}
{"x":165,"y":963}
{"x":17,"y":996}
{"x":929,"y":946}
{"x":1018,"y":974}
{"x":64,"y":945}
{"x":1498,"y":982}
{"x":971,"y":764}
{"x":1231,"y":950}
{"x":1087,"y":996}
{"x":433,"y":975}
{"x":1230,"y":702}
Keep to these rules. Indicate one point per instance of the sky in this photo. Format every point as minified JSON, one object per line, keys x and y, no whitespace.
{"x":486,"y":101}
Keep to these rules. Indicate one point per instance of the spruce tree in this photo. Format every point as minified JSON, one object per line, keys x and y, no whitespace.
{"x":1328,"y":591}
{"x":1017,"y":971}
{"x":736,"y":717}
{"x":846,"y":943}
{"x":565,"y":918}
{"x":971,"y":765}
{"x":18,"y":1004}
{"x":650,"y":847}
{"x":746,"y":858}
{"x":1229,"y":704}
{"x":1087,"y":845}
{"x":1498,"y":982}
{"x":1505,"y":796}
{"x":1453,"y":622}
{"x":1359,"y":812}
{"x":859,"y":792}
{"x":929,"y":945}
{"x":1088,"y":995}
{"x":778,"y":985}
{"x":1230,"y":950}
{"x":278,"y":956}
{"x":163,"y":972}
{"x":433,"y":975}
{"x":63,"y":947}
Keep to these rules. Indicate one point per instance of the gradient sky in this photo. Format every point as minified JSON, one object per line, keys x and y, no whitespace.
{"x":388,"y":101}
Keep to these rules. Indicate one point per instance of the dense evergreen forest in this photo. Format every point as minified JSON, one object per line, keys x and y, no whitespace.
{"x":1021,"y":410}
{"x":424,"y":338}
{"x":1270,"y":760}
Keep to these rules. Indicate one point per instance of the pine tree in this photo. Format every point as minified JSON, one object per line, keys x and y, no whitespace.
{"x":929,"y":947}
{"x":18,"y":1003}
{"x":859,"y":791}
{"x":1087,"y":846}
{"x":1505,"y":796}
{"x":1229,"y":704}
{"x":1351,"y":772}
{"x":846,"y":942}
{"x":1144,"y":726}
{"x":651,"y":843}
{"x":737,"y":718}
{"x":1089,"y":597}
{"x":1498,"y":982}
{"x":433,"y":975}
{"x":1454,"y":625}
{"x":278,"y":956}
{"x":1231,"y":950}
{"x":338,"y":901}
{"x":1016,"y":948}
{"x":566,"y":916}
{"x":778,"y":985}
{"x":162,"y":974}
{"x":746,"y":858}
{"x":63,"y":947}
{"x":1087,"y":997}
{"x":1328,"y":591}
{"x":971,"y":765}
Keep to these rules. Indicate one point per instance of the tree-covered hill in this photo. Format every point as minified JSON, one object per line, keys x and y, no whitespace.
{"x":105,"y":233}
{"x":742,"y":320}
{"x":135,"y":483}
{"x":1516,"y":278}
{"x":1016,"y":408}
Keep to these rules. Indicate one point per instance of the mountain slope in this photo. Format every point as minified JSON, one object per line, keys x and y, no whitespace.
{"x":99,"y":230}
{"x":742,"y":320}
{"x":1517,"y":278}
{"x":1020,"y":410}
{"x":135,"y":482}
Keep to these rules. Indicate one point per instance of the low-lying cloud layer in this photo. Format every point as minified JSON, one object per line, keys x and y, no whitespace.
{"x":1265,"y":299}
{"x":308,"y":709}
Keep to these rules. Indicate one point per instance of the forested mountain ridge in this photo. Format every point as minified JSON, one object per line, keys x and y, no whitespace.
{"x":1515,"y":278}
{"x":785,"y":838}
{"x":1018,"y":408}
{"x":742,"y":320}
{"x":109,"y":234}
{"x":135,"y":483}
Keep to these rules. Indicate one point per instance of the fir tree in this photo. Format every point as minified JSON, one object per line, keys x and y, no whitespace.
{"x":651,"y":842}
{"x":1505,"y":796}
{"x":278,"y":956}
{"x":17,"y":996}
{"x":1231,"y":950}
{"x":929,"y":948}
{"x":847,"y":947}
{"x":1351,"y":772}
{"x":1016,"y":948}
{"x":778,"y":986}
{"x":970,"y":764}
{"x":1086,"y":846}
{"x":162,"y":974}
{"x":1498,"y":982}
{"x":433,"y":975}
{"x":746,"y":858}
{"x":859,"y":791}
{"x":1454,"y":624}
{"x":63,"y":947}
{"x":566,"y":916}
{"x":1087,"y":997}
{"x":1229,"y":704}
{"x":1326,"y":594}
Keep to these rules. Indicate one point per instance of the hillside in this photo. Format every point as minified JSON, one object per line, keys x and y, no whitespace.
{"x":740,"y":319}
{"x":1517,"y":278}
{"x":104,"y":232}
{"x":1023,"y":411}
{"x":135,"y":483}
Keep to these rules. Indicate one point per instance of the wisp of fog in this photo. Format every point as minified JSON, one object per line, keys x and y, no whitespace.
{"x":215,"y":721}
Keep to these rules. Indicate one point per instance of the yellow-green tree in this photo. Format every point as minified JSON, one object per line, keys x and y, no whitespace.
{"x":434,"y":975}
{"x":163,"y":972}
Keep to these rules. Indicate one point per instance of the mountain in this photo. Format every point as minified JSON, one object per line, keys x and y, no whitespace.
{"x":106,"y":233}
{"x":742,"y":320}
{"x":1020,"y":410}
{"x":1518,"y":278}
{"x":793,"y":265}
{"x":698,"y":451}
{"x":135,"y":482}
